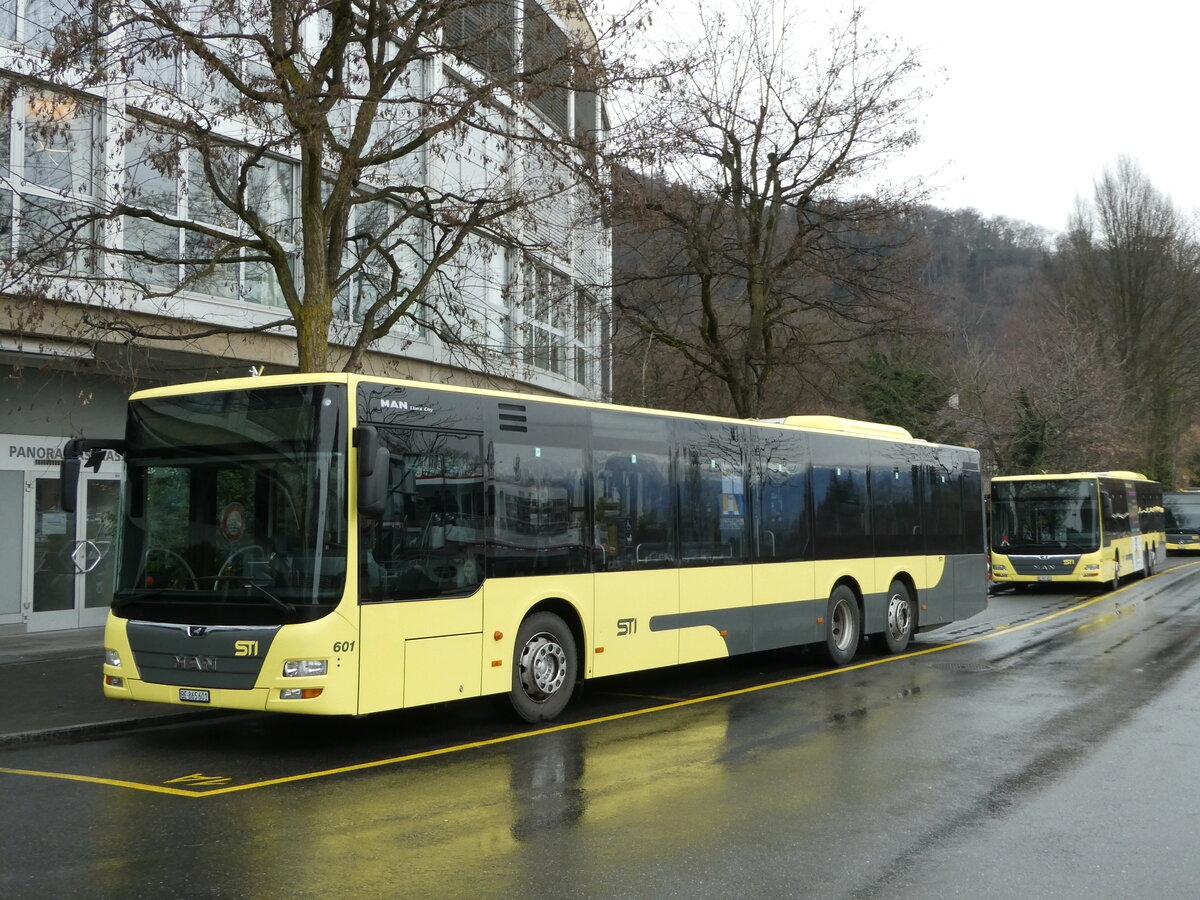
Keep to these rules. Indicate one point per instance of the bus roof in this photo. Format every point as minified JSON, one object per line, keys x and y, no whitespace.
{"x":1124,"y":475}
{"x":848,"y":426}
{"x":808,"y":422}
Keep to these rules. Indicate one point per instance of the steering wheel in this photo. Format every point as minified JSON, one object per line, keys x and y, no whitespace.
{"x":170,"y":554}
{"x":249,"y":548}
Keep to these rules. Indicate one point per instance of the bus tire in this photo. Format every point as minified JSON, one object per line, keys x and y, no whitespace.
{"x":901,"y":621}
{"x":1116,"y":579}
{"x":545,"y":665}
{"x":843,"y":626}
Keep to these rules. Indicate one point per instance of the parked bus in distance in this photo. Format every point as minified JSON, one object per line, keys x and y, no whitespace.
{"x":1183,"y":521}
{"x":339,"y":544}
{"x":1092,"y":527}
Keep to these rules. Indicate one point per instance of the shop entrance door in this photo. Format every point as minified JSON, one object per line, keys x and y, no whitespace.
{"x":70,"y":582}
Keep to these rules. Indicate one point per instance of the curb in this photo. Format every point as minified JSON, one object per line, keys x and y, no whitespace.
{"x":67,"y":734}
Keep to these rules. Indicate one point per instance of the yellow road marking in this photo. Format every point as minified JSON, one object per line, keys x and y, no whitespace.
{"x":639,"y":696}
{"x":112,"y":782}
{"x":674,"y":704}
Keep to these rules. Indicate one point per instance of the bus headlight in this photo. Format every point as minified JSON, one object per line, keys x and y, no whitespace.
{"x":999,"y":567}
{"x":300,"y":668}
{"x":1091,"y":567}
{"x":112,"y":658}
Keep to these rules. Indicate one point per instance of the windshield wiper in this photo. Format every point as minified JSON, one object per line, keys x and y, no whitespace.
{"x":275,"y":601}
{"x":250,"y":582}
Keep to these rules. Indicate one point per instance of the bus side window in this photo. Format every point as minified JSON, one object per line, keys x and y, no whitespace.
{"x":634,"y":511}
{"x":429,"y":541}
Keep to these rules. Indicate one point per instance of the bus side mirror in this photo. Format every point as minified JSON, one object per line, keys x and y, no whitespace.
{"x":70,"y":465}
{"x":68,"y":482}
{"x":374,"y":464}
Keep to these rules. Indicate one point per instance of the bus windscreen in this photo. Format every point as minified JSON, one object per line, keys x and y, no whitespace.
{"x":1049,"y":516}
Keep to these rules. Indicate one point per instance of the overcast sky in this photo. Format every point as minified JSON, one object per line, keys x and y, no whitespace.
{"x":1032,"y":99}
{"x":1036,"y":97}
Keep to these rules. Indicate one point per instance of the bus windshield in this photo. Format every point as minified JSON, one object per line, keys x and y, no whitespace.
{"x":1183,"y":512}
{"x":235,"y":507}
{"x":1050,"y":516}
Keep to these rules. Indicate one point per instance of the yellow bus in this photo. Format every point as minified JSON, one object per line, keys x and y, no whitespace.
{"x":1183,"y":521}
{"x":341,"y":544}
{"x":1092,"y":527}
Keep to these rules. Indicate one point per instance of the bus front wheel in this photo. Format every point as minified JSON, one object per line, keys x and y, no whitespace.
{"x":843,"y":626}
{"x":1116,"y":579}
{"x":545,"y":665}
{"x":901,"y":621}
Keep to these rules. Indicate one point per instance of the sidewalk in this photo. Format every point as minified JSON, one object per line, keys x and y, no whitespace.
{"x":50,"y":691}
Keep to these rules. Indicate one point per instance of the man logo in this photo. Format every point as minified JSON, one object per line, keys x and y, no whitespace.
{"x":245,"y":648}
{"x":196,"y":663}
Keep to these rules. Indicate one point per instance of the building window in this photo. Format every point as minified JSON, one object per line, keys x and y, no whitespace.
{"x":386,"y":254}
{"x":154,"y":54}
{"x":60,"y":143}
{"x":29,"y":22}
{"x":585,"y":104}
{"x":483,"y":34}
{"x":152,"y":183}
{"x":51,"y":170}
{"x":57,"y":235}
{"x":585,"y":313}
{"x":157,"y":259}
{"x":546,"y":56}
{"x":604,"y":338}
{"x":547,"y":313}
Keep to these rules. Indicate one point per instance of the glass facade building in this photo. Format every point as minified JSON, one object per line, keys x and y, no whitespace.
{"x":522,"y":306}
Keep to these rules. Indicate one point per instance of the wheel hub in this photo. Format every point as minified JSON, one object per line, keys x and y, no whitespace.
{"x":838,"y":627}
{"x":899,"y":616}
{"x":543,"y":666}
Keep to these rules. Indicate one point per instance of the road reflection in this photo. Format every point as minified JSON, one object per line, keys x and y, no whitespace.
{"x":546,"y":784}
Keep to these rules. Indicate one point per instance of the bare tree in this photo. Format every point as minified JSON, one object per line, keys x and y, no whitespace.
{"x":1040,"y":403}
{"x":1131,"y":265}
{"x":349,"y":165}
{"x":746,"y":246}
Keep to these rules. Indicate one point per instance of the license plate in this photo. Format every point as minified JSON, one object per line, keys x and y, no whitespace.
{"x":1045,"y":578}
{"x":193,"y":696}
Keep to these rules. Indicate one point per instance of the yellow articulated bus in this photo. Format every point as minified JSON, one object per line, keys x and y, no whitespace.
{"x":338,"y":544}
{"x":1093,"y":527}
{"x":1183,"y":521}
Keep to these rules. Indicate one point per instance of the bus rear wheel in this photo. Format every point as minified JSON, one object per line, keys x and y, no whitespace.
{"x":545,"y":665}
{"x":843,"y":626}
{"x":901,"y":621}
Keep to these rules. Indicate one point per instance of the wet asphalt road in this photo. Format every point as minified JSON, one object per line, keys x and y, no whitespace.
{"x":1043,"y":749}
